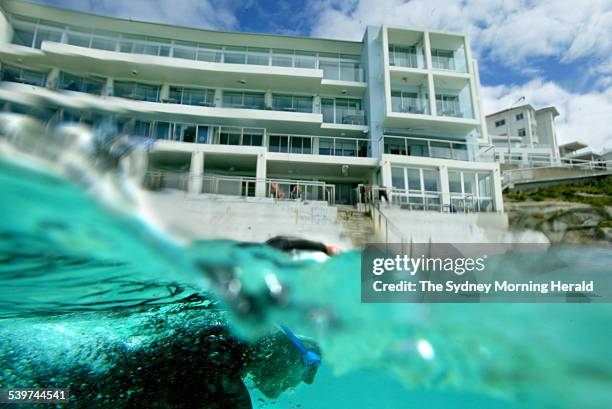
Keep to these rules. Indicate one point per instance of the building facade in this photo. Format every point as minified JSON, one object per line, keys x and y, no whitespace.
{"x":264,"y":115}
{"x":525,"y":136}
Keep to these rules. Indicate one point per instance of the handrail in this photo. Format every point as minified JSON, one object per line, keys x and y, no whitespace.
{"x":274,"y":187}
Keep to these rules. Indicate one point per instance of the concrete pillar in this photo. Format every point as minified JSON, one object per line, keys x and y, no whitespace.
{"x":196,"y":172}
{"x":108,"y":88}
{"x":316,"y":104}
{"x":432,"y":95}
{"x":444,"y":188}
{"x":497,"y":191}
{"x":164,"y":92}
{"x":53,"y":78}
{"x":268,"y":98}
{"x":6,"y":31}
{"x":260,"y":175}
{"x":218,"y":97}
{"x":386,"y":179}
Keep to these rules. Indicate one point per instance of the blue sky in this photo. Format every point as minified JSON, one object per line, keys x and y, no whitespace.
{"x":553,"y":52}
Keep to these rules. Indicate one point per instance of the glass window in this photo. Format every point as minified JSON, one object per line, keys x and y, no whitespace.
{"x":254,"y":100}
{"x":326,"y":146}
{"x":430,"y":180}
{"x":71,"y":82}
{"x":184,"y":52}
{"x":454,"y":182}
{"x":522,"y":132}
{"x":258,"y":56}
{"x":230,"y":136}
{"x":162,"y":130}
{"x":305,"y":60}
{"x":327,"y":109}
{"x":210,"y":54}
{"x":484,"y":184}
{"x":104,"y":44}
{"x":281,"y":58}
{"x":252,"y":137}
{"x":234,"y":55}
{"x":414,"y":179}
{"x":47,"y":35}
{"x":80,"y":40}
{"x":349,"y":71}
{"x":136,"y":91}
{"x":279,"y":143}
{"x":23,"y":35}
{"x":397,"y":178}
{"x":24,"y":76}
{"x":331,"y":69}
{"x":141,"y":128}
{"x":469,"y":183}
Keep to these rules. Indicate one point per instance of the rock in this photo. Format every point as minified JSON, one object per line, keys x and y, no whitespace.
{"x":563,"y":222}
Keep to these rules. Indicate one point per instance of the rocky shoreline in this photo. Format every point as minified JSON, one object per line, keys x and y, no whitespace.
{"x":563,"y":222}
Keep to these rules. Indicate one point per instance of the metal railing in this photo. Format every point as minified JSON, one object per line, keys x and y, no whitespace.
{"x":245,"y":186}
{"x":334,"y":66}
{"x":319,"y":145}
{"x":425,"y":147}
{"x":417,"y":200}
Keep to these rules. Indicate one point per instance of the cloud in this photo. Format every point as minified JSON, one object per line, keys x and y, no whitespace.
{"x":508,"y":31}
{"x":214,"y":14}
{"x":582,"y":117}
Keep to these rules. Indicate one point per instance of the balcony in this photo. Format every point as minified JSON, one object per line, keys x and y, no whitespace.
{"x":406,"y":48}
{"x":345,"y":111}
{"x":448,"y":52}
{"x":334,"y":66}
{"x":319,"y":145}
{"x":409,"y":103}
{"x":426,"y":147}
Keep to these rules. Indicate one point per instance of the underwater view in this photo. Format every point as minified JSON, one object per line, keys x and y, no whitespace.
{"x":96,"y":299}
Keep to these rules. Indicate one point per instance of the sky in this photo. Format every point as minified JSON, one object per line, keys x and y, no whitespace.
{"x":552,"y":52}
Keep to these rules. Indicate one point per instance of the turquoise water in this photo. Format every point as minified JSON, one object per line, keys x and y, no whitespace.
{"x":75,"y":274}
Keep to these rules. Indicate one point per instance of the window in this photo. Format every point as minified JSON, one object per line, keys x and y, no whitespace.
{"x":76,"y":83}
{"x":23,"y":35}
{"x":403,"y":56}
{"x":521,"y":132}
{"x":246,"y":100}
{"x":136,"y":91}
{"x":416,"y":188}
{"x":23,"y":75}
{"x":342,"y":111}
{"x":499,"y":123}
{"x":442,"y":59}
{"x":408,"y":102}
{"x":279,"y":143}
{"x":292,"y":103}
{"x":448,"y":105}
{"x":470,"y":191}
{"x":519,"y":116}
{"x":191,"y":96}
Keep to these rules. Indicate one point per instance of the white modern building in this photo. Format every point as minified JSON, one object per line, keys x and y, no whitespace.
{"x":267,"y":115}
{"x":525,"y":136}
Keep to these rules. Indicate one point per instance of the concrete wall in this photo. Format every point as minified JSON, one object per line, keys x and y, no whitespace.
{"x":424,"y":227}
{"x":205,"y":216}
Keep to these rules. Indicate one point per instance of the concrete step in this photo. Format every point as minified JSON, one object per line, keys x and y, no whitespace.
{"x":357,"y":225}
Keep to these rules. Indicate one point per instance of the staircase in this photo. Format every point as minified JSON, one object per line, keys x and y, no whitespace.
{"x":358,"y":226}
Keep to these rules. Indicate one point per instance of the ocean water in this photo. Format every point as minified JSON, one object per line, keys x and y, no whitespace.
{"x":91,"y":296}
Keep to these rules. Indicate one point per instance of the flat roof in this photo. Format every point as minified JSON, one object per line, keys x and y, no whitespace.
{"x":163,"y":30}
{"x":572,"y":146}
{"x":528,"y":106}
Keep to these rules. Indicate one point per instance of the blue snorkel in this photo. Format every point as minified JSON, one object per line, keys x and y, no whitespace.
{"x":309,"y":358}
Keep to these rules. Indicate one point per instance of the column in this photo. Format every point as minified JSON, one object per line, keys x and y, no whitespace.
{"x":444,"y":188}
{"x":53,"y":78}
{"x":164,"y":92}
{"x":497,"y":191}
{"x":218,"y":97}
{"x":108,"y":88}
{"x":268,"y":98}
{"x":260,"y":175}
{"x":196,"y":172}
